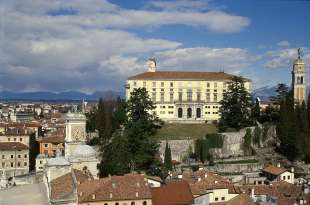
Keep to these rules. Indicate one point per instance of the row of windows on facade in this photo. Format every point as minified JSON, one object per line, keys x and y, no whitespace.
{"x":11,"y":164}
{"x":12,"y":156}
{"x":162,"y":84}
{"x":299,"y":80}
{"x":189,"y":97}
{"x":132,"y":203}
{"x":15,"y":139}
{"x":171,"y":106}
{"x":198,"y":116}
{"x":186,"y":90}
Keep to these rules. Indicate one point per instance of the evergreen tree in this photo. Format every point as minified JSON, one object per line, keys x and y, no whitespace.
{"x":256,"y":113}
{"x":140,"y":127}
{"x":257,"y":136}
{"x":115,"y":157}
{"x":236,"y":106}
{"x":282,"y":91}
{"x":247,"y":141}
{"x":167,"y":158}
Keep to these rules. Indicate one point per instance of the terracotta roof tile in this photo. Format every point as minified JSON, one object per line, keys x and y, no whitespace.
{"x":127,"y":187}
{"x":241,"y":199}
{"x":274,"y":169}
{"x":182,"y":75}
{"x":173,"y":193}
{"x":52,"y":139}
{"x":6,"y":146}
{"x":62,"y":187}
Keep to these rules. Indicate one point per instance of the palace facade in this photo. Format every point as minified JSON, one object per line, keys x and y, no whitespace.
{"x":185,"y":97}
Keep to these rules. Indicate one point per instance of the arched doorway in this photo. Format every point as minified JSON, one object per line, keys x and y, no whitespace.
{"x":189,"y":112}
{"x":180,"y":113}
{"x":198,"y":113}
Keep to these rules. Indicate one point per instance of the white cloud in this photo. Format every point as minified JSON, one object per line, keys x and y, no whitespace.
{"x":179,"y":5}
{"x":204,"y":59}
{"x":283,"y":44}
{"x":283,"y":58}
{"x":90,"y":49}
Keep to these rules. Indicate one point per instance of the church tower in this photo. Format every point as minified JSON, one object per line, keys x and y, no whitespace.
{"x":75,"y":132}
{"x":299,"y":77}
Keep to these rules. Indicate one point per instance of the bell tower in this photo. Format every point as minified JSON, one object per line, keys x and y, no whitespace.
{"x":299,"y":77}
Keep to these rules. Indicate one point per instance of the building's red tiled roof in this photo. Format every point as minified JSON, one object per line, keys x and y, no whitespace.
{"x":52,"y":139}
{"x":172,"y":193}
{"x":62,"y":187}
{"x":241,"y":199}
{"x":127,"y":187}
{"x":182,"y":75}
{"x":274,"y":169}
{"x":202,"y":180}
{"x":6,"y":146}
{"x":284,"y":192}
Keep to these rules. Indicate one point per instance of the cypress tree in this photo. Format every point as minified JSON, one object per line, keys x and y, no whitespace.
{"x":167,"y":158}
{"x":256,"y":113}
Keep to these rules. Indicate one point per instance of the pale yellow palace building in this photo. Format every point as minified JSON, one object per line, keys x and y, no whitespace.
{"x":185,"y":97}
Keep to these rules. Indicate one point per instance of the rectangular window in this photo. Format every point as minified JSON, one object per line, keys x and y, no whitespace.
{"x":283,"y":177}
{"x":20,"y":139}
{"x":12,"y":164}
{"x":162,"y":90}
{"x":223,"y":198}
{"x":144,"y":84}
{"x":14,"y":139}
{"x":162,"y":97}
{"x":162,"y":84}
{"x":215,"y":85}
{"x":171,"y":97}
{"x":3,"y":156}
{"x":171,"y":84}
{"x":207,"y":97}
{"x":3,"y":164}
{"x":216,"y":199}
{"x":288,"y":177}
{"x":25,"y":155}
{"x":198,"y":96}
{"x":12,"y":156}
{"x":154,"y":84}
{"x":45,"y":145}
{"x":25,"y":163}
{"x":189,"y":95}
{"x":215,"y":97}
{"x":154,"y":97}
{"x":180,"y":96}
{"x":135,"y":83}
{"x":215,"y":90}
{"x":19,"y":156}
{"x":208,"y":85}
{"x":9,"y":139}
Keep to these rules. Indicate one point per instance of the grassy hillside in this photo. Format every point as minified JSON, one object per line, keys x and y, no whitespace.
{"x":184,"y":131}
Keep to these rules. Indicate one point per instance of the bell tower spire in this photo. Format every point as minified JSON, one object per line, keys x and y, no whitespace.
{"x":299,"y":82}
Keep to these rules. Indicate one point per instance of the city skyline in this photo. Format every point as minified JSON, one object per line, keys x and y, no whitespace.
{"x":95,"y":45}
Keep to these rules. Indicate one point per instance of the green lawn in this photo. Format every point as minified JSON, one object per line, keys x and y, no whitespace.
{"x":184,"y":131}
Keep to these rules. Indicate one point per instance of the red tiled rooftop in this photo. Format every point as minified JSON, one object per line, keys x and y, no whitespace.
{"x":274,"y":169}
{"x":173,"y":193}
{"x":7,"y":146}
{"x":183,"y":75}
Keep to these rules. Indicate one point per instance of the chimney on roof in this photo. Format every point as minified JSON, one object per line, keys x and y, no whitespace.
{"x":151,"y":64}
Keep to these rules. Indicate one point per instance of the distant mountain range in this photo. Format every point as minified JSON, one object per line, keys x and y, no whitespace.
{"x":51,"y":96}
{"x":263,"y":93}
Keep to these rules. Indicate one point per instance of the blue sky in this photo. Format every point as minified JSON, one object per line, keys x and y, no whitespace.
{"x":90,"y":45}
